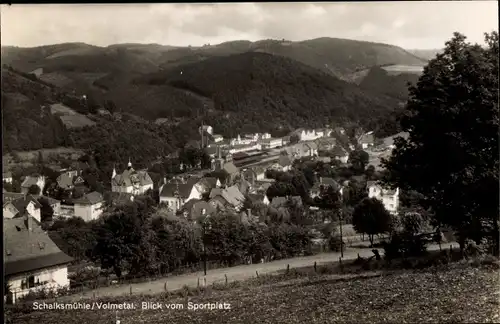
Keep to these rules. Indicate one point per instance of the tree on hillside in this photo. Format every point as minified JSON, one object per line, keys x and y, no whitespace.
{"x":370,"y":217}
{"x":451,"y":155}
{"x":358,"y":159}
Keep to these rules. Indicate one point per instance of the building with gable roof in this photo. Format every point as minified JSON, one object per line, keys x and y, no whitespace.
{"x":32,"y":261}
{"x":18,"y":205}
{"x":90,"y":206}
{"x":32,"y":180}
{"x":131,"y":181}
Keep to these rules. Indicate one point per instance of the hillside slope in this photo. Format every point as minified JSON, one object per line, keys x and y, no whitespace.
{"x":265,"y":90}
{"x":338,"y":57}
{"x":26,"y":123}
{"x":379,"y":80}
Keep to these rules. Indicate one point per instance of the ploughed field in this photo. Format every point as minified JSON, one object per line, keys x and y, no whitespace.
{"x":458,"y":293}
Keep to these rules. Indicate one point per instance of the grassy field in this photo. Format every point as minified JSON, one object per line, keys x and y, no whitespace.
{"x":71,"y":118}
{"x":455,"y":293}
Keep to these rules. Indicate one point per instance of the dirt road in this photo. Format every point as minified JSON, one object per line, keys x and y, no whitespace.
{"x":242,"y":272}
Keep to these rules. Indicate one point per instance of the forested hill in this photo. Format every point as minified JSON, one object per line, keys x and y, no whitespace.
{"x":261,"y":89}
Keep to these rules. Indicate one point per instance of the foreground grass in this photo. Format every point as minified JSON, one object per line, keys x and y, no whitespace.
{"x":452,"y":293}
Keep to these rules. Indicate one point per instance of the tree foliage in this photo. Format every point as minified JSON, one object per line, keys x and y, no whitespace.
{"x":370,"y":217}
{"x":451,"y":155}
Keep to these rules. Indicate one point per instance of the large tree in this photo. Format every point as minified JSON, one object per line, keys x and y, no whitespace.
{"x":370,"y":217}
{"x":451,"y":155}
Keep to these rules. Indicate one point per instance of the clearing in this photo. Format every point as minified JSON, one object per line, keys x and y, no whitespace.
{"x":69,"y":117}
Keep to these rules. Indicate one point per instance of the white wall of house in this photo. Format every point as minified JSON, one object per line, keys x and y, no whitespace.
{"x":131,"y":189}
{"x":8,"y":179}
{"x":48,"y":278}
{"x":194,"y":194}
{"x":66,"y":211}
{"x":89,"y":212}
{"x":266,"y":200}
{"x":342,"y":159}
{"x":56,"y":208}
{"x":172,"y":202}
{"x":33,"y":211}
{"x":390,"y":201}
{"x":261,"y":175}
{"x":9,"y":211}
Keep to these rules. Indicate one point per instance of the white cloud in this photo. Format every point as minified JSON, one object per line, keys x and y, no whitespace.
{"x":408,"y":24}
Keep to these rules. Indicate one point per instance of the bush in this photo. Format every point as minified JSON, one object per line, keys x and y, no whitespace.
{"x":404,"y":246}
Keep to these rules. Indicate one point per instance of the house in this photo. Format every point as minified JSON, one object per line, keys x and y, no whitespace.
{"x":241,"y":141}
{"x":390,"y":198}
{"x":366,"y":140}
{"x":229,"y":197}
{"x":90,"y":206}
{"x":131,"y":181}
{"x":206,"y":129}
{"x":249,"y":175}
{"x":340,"y":154}
{"x":217,"y":138}
{"x":306,"y":134}
{"x":270,"y":143}
{"x":70,"y":179}
{"x":176,"y":193}
{"x":195,"y":210}
{"x":322,"y":184}
{"x":54,"y":204}
{"x":260,"y":172}
{"x":286,"y":140}
{"x":311,"y":149}
{"x":7,"y":177}
{"x":32,"y":261}
{"x":259,"y":197}
{"x":285,"y":162}
{"x":326,"y":143}
{"x":23,"y":204}
{"x":33,"y":180}
{"x":232,"y":172}
{"x":237,"y":148}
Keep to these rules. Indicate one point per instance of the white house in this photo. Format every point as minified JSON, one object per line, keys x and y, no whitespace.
{"x":218,"y":138}
{"x":7,"y":177}
{"x":366,"y":140}
{"x":312,"y":148}
{"x":390,"y":198}
{"x":176,"y":193}
{"x":207,"y":129}
{"x":32,"y":261}
{"x":18,"y":205}
{"x":238,"y":148}
{"x":32,"y":180}
{"x":340,"y":154}
{"x":307,"y":134}
{"x":90,"y":206}
{"x":241,"y":141}
{"x":270,"y":143}
{"x":131,"y":181}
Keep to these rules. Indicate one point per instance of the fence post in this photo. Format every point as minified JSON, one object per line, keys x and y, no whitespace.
{"x":340,"y":263}
{"x":204,"y":281}
{"x":315,"y":267}
{"x":225,"y":275}
{"x":288,"y":268}
{"x":451,"y":249}
{"x":257,"y":273}
{"x":198,"y":282}
{"x":165,"y":286}
{"x":131,"y":289}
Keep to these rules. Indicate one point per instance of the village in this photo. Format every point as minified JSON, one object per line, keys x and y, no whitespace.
{"x":241,"y":174}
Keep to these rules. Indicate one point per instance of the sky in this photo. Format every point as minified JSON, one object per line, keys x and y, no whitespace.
{"x":411,"y":25}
